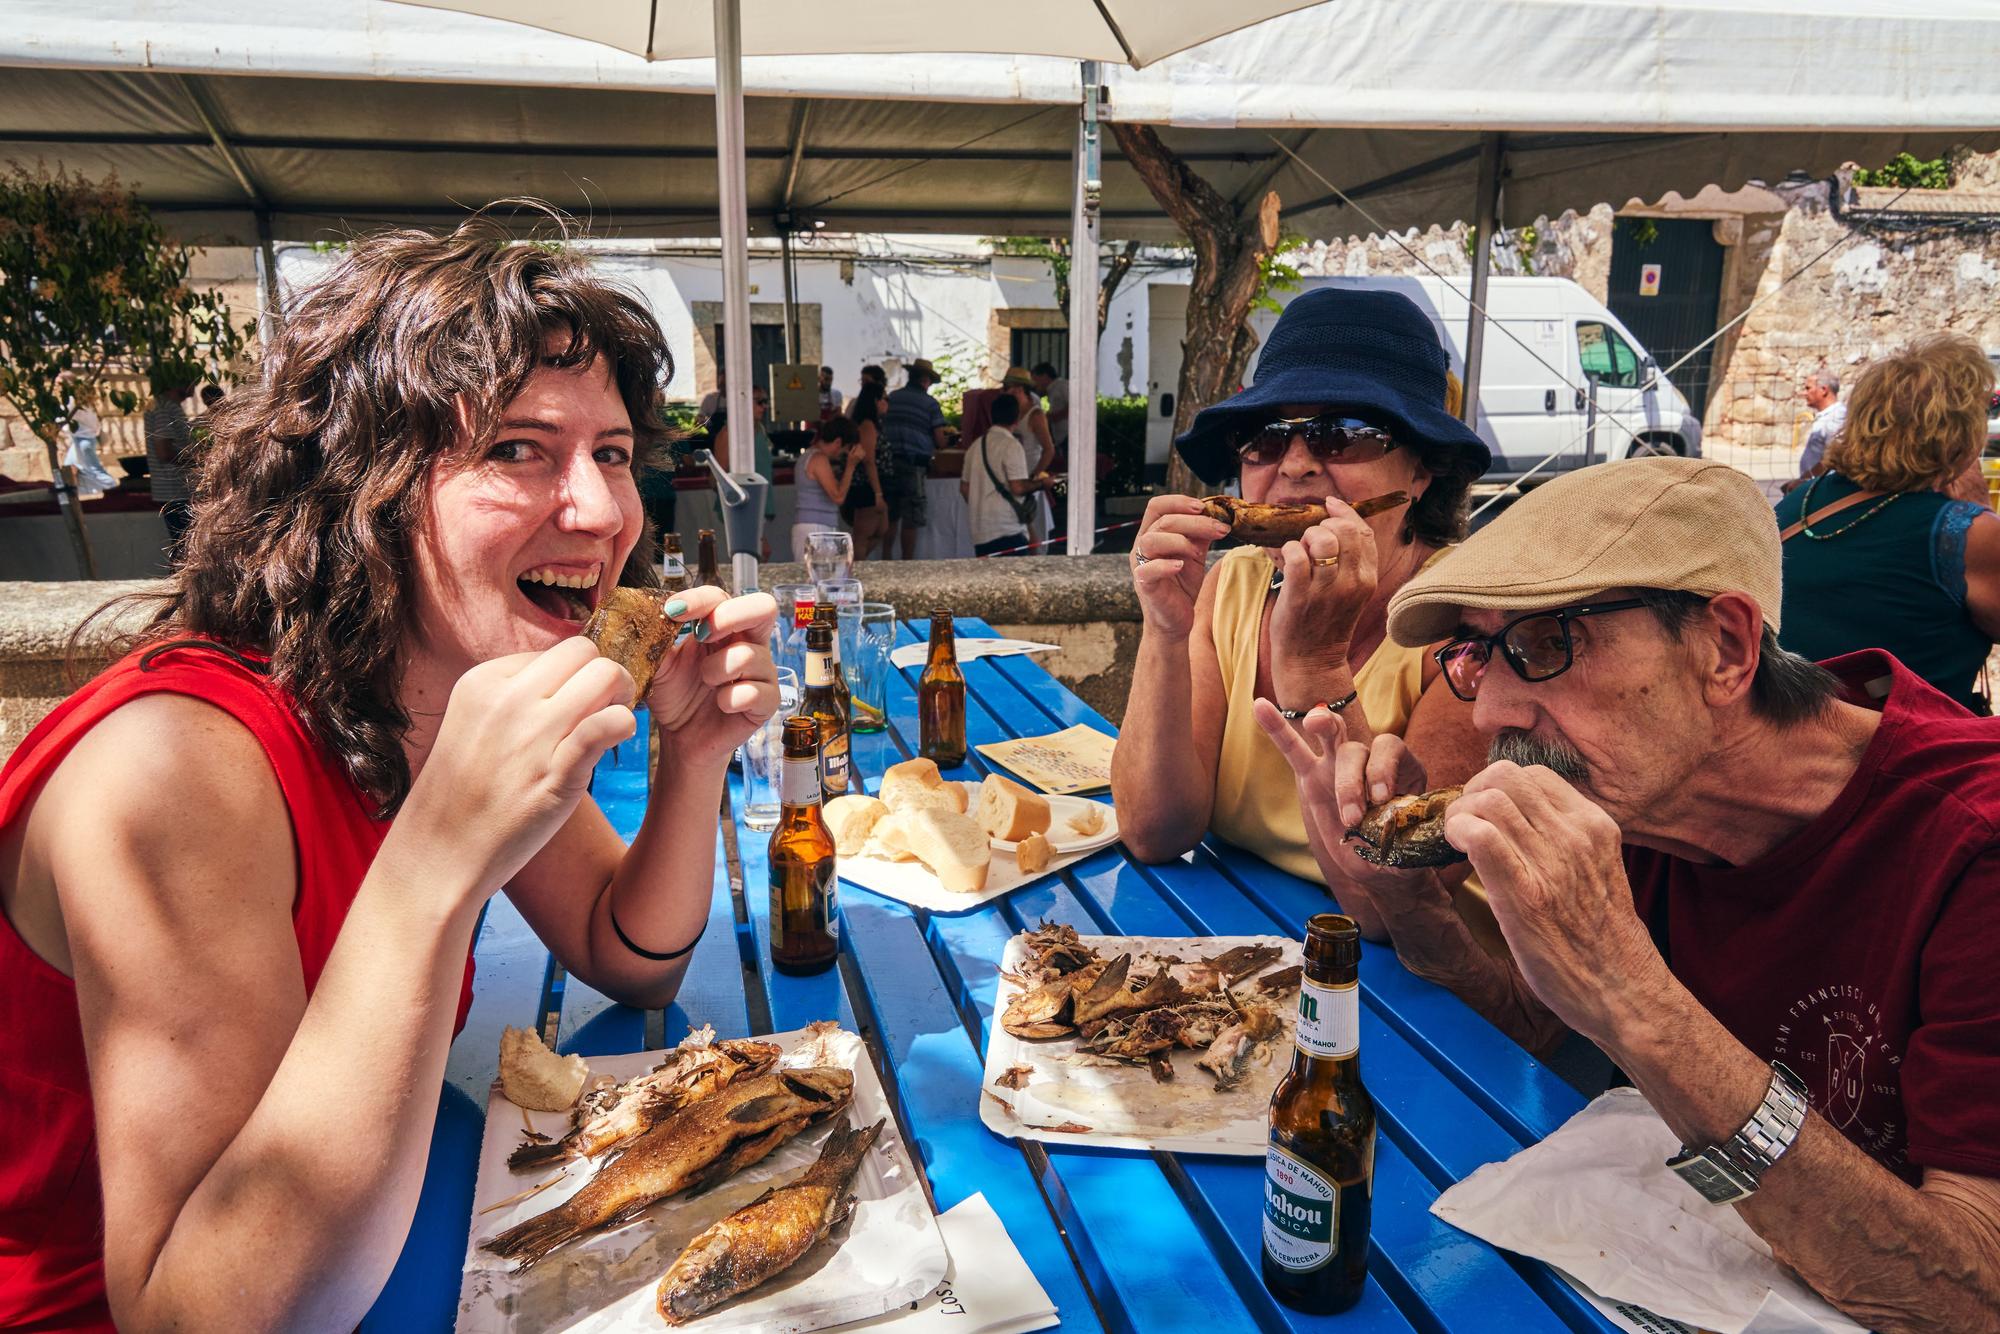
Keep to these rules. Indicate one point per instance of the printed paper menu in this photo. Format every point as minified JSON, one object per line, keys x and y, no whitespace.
{"x":1071,"y":762}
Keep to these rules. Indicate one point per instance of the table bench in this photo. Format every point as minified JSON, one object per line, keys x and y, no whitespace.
{"x":1121,"y":1240}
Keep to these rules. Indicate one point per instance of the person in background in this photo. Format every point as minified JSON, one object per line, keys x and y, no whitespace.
{"x":211,"y":397}
{"x":1822,"y":394}
{"x":1056,"y":390}
{"x":1877,"y":552}
{"x":1349,"y":404}
{"x":242,"y":868}
{"x":1032,"y":429}
{"x":866,"y":511}
{"x":995,"y":483}
{"x":1766,"y":888}
{"x":760,"y":456}
{"x":168,"y":441}
{"x":826,"y":475}
{"x":874,"y":375}
{"x":715,"y":399}
{"x":830,"y":399}
{"x":913,"y":427}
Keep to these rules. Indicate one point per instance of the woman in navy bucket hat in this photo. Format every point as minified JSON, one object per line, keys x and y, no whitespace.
{"x":1352,"y":400}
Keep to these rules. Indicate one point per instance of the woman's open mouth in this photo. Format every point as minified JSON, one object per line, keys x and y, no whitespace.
{"x":568,"y":594}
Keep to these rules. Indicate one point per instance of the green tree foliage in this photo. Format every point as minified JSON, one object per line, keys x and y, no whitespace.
{"x":1121,"y":438}
{"x":1905,"y":171}
{"x":90,"y":282}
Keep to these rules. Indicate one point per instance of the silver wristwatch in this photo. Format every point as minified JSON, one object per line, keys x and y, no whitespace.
{"x":1727,"y":1172}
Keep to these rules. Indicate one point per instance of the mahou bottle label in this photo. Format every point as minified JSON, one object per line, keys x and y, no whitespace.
{"x":798,"y":785}
{"x":1329,"y":1019}
{"x":1301,"y":1209}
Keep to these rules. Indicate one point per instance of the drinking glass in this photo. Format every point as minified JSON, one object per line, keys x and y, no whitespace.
{"x":764,"y":758}
{"x":843,"y":594}
{"x":788,"y":635}
{"x":829,"y":555}
{"x":871,"y":627}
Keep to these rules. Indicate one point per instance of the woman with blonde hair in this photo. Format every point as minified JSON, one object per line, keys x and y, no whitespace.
{"x":1878,"y":552}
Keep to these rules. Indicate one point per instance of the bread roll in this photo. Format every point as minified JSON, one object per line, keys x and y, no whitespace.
{"x":1033,"y":854}
{"x":850,"y":819}
{"x":916,"y":785}
{"x":890,"y":839}
{"x":1010,"y":812}
{"x":953,"y":846}
{"x":534,"y":1077}
{"x":1088,"y":821}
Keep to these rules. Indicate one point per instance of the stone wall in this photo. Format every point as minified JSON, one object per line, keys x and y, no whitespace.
{"x":1085,"y":604}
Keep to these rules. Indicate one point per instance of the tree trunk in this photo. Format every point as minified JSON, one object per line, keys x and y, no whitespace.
{"x":1229,"y":251}
{"x":1114,"y":276}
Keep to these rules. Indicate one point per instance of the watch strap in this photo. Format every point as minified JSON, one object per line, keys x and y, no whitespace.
{"x":1732,"y":1170}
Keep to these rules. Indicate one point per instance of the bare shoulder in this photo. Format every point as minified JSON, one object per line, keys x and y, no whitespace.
{"x":1982,"y":542}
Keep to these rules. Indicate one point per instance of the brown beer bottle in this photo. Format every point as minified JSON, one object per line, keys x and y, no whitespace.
{"x":1319,"y":1165}
{"x":706,"y":572}
{"x":804,"y":931}
{"x":825,"y":613}
{"x":673,"y":565}
{"x":941,"y":698}
{"x":828,"y":708}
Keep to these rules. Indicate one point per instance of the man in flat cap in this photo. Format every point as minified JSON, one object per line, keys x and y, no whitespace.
{"x":1768,"y":890}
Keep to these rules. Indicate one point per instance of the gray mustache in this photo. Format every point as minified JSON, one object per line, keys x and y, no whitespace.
{"x":1525,"y":749}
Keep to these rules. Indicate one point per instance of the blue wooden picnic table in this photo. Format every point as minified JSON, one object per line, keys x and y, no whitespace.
{"x":1120,"y":1240}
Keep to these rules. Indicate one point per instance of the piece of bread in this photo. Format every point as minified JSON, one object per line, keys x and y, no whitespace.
{"x":889,"y":839}
{"x":1009,"y":811}
{"x":1033,"y":854}
{"x":850,"y":819}
{"x":1088,"y":821}
{"x":953,"y":846}
{"x":916,"y":785}
{"x":534,"y":1077}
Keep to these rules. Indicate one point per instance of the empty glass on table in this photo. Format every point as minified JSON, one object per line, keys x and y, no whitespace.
{"x":788,"y":634}
{"x":764,"y":758}
{"x":829,"y":555}
{"x":869,"y":629}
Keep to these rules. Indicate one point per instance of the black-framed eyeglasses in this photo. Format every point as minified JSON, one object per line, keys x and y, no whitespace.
{"x":1328,"y":437}
{"x":1537,"y":646}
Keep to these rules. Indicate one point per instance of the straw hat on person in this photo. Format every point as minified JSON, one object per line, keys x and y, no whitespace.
{"x":1017,"y":377}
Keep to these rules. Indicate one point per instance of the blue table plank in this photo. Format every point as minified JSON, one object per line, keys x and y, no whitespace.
{"x":510,"y":989}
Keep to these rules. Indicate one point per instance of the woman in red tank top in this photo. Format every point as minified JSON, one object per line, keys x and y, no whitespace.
{"x":239,"y":871}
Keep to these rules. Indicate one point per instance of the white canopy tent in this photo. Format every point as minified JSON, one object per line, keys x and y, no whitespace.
{"x":245,"y":121}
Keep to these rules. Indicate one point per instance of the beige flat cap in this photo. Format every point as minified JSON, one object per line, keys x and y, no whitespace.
{"x":1684,"y":524}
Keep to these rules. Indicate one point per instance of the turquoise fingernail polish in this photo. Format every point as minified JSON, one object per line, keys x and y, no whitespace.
{"x":701,"y":630}
{"x":677,"y":608}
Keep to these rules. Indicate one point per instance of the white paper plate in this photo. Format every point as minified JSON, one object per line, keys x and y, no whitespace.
{"x":917,"y":885}
{"x":887,"y":1255}
{"x":1123,"y":1107}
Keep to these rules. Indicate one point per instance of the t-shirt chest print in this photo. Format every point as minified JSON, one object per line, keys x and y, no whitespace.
{"x":1833,"y":1037}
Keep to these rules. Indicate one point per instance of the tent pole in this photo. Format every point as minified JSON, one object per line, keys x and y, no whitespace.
{"x":735,"y":223}
{"x":1083,"y":287}
{"x":1487,"y":213}
{"x":791,"y":299}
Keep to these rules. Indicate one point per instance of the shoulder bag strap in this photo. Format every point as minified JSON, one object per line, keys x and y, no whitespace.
{"x":1022,"y":506}
{"x":1827,"y":512}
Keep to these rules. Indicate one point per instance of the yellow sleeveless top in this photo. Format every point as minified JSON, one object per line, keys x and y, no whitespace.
{"x":1256,"y":800}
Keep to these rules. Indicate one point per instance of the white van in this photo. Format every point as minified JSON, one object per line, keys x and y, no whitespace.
{"x":1545,"y":338}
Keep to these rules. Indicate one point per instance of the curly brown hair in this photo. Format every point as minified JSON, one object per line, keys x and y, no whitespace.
{"x":309,"y":489}
{"x":1916,"y":418}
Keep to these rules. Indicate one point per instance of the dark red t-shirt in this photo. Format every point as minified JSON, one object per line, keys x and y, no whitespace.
{"x":1861,"y":952}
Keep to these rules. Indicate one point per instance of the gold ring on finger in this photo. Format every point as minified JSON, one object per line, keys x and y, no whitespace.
{"x":1326,"y":560}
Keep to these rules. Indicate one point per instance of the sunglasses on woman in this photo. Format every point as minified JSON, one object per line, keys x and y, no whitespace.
{"x":1537,"y":646}
{"x":1328,"y":437}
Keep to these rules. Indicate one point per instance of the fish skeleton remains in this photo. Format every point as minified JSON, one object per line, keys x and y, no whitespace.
{"x":612,"y":1117}
{"x":768,"y":1235}
{"x":692,"y":1149}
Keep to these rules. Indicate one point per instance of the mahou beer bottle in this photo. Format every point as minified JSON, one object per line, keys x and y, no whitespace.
{"x":804,"y":936}
{"x":827,"y":707}
{"x":825,"y":613}
{"x":707,"y":574}
{"x":673,"y":565}
{"x":941,"y":698}
{"x":1319,"y":1165}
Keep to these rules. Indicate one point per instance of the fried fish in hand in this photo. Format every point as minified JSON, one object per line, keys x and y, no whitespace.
{"x":1258,"y":524}
{"x":768,"y":1235}
{"x":633,"y":629}
{"x":1407,"y":832}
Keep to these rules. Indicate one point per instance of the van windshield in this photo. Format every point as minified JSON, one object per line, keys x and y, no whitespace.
{"x":1606,"y":355}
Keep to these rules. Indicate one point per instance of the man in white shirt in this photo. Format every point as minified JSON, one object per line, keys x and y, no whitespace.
{"x":831,"y":400}
{"x":1823,"y":397}
{"x":994,"y":478}
{"x":1056,"y":390}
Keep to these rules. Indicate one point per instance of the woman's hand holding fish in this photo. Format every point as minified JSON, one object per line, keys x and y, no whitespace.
{"x":1169,"y":562}
{"x":512,"y":758}
{"x":715,"y":688}
{"x":1330,"y":575}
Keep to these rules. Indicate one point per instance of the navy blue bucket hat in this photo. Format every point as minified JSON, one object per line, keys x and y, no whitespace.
{"x":1360,"y":352}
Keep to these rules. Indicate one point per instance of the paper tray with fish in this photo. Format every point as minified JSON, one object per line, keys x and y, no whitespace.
{"x":888,"y":1254}
{"x":1055,"y":1091}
